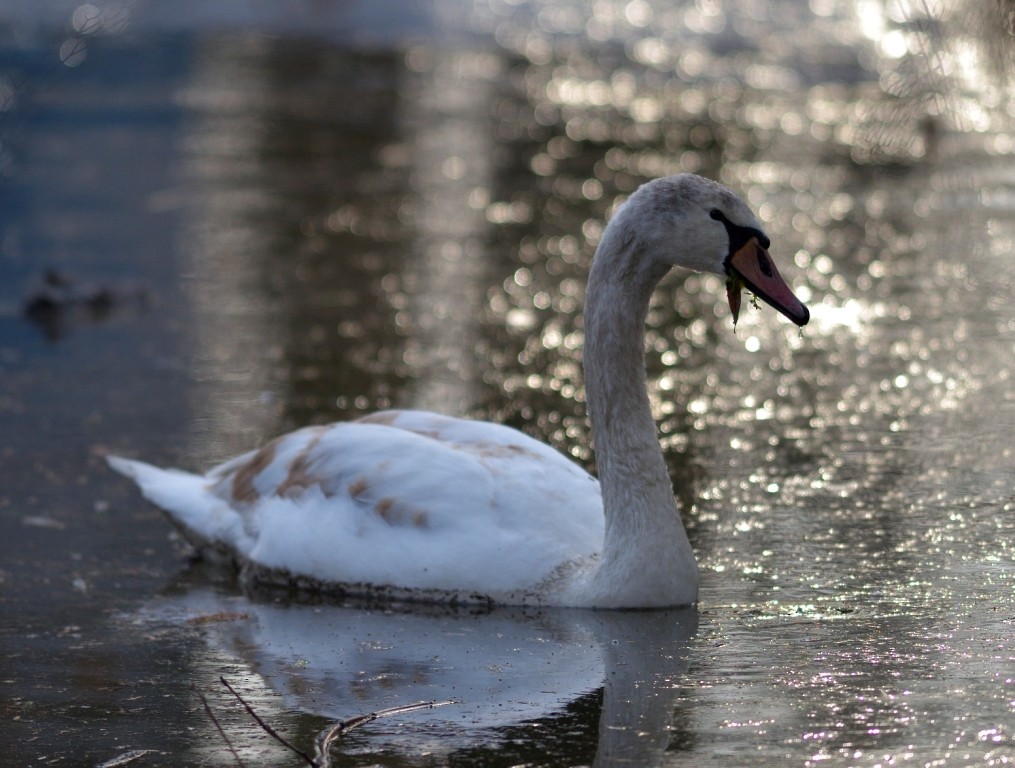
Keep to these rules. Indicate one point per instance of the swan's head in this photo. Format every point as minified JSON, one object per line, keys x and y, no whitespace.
{"x":692,"y":222}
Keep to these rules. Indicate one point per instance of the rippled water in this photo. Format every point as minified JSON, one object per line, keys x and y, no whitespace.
{"x":352,"y":207}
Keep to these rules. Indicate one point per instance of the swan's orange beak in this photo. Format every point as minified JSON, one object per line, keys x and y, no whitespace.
{"x":751,"y":266}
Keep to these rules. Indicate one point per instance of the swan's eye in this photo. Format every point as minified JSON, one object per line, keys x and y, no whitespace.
{"x":738,"y":234}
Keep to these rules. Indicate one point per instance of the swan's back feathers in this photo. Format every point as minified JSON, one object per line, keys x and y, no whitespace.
{"x":398,"y":498}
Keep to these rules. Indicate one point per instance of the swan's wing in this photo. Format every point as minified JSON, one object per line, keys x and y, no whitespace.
{"x":401,"y":498}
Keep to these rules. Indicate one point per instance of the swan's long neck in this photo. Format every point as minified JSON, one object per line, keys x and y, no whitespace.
{"x":646,"y":557}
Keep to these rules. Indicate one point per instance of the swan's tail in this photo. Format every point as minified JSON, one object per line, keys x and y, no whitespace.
{"x":205,"y":519}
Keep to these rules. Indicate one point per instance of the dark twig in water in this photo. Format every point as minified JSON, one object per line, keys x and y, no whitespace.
{"x":326,"y":738}
{"x":267,"y":728}
{"x":218,"y":725}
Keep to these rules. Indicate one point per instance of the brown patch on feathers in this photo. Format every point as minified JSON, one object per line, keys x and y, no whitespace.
{"x":383,"y":509}
{"x":300,"y":476}
{"x":394,"y":514}
{"x":243,"y":481}
{"x":298,"y":479}
{"x":380,"y":417}
{"x":358,"y":487}
{"x":388,"y":419}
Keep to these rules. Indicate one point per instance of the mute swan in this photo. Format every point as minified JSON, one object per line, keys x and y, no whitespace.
{"x":419,"y":506}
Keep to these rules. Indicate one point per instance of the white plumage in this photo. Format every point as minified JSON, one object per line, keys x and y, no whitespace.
{"x":416,"y":505}
{"x":452,"y":502}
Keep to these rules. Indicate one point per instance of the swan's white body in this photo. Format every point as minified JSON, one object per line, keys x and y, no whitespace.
{"x":450,"y":501}
{"x":416,"y":505}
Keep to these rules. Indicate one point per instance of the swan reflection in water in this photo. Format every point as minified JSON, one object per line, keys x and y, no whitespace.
{"x":500,"y":668}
